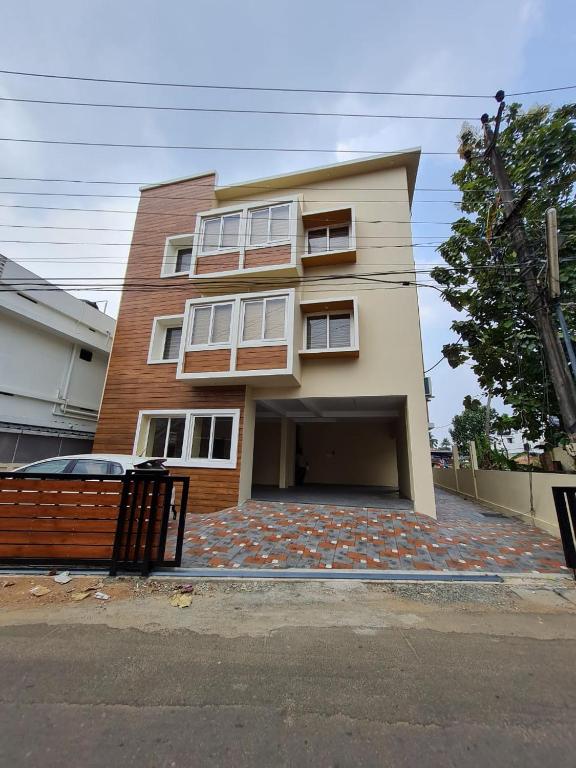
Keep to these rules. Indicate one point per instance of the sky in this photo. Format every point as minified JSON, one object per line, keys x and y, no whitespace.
{"x":444,"y":47}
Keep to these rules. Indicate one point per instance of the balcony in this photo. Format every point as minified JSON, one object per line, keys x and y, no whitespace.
{"x":239,"y":339}
{"x":330,"y":329}
{"x":236,"y":245}
{"x":330,"y":237}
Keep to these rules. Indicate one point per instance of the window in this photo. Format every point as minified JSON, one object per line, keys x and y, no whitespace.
{"x":220,"y":232}
{"x":85,"y":354}
{"x":329,"y":239}
{"x":165,"y":437}
{"x":211,"y":437}
{"x":270,"y":224}
{"x":329,"y":331}
{"x":172,"y":339}
{"x":190,"y":438}
{"x":264,"y":319}
{"x":183,"y":260}
{"x":90,"y":467}
{"x":211,"y":324}
{"x":178,"y":253}
{"x":165,"y":339}
{"x":54,"y":466}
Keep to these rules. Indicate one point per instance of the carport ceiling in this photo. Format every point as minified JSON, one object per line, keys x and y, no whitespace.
{"x":331,"y":408}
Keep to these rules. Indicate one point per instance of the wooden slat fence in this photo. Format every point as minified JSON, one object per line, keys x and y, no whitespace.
{"x":118,"y":521}
{"x":58,"y":518}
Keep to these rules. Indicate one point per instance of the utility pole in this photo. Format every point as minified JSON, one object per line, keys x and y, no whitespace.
{"x":554,"y":283}
{"x":562,"y":381}
{"x":487,"y":420}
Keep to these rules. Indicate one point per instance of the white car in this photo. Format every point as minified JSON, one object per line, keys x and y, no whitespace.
{"x":92,"y":464}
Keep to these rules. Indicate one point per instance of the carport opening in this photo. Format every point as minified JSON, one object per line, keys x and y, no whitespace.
{"x":344,"y":451}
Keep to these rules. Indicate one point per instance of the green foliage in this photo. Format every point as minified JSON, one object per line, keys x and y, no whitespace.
{"x":497,"y":334}
{"x":490,"y":457}
{"x":469,"y":426}
{"x":445,"y":444}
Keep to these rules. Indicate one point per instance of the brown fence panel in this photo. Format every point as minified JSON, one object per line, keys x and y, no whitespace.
{"x":58,"y":518}
{"x":91,"y":520}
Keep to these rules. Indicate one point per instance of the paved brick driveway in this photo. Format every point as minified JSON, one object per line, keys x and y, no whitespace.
{"x":260,"y":534}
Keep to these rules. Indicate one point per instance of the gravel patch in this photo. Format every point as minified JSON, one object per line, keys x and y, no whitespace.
{"x":495,"y":595}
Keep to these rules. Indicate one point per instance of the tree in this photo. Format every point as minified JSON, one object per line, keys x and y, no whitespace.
{"x":470,"y":425}
{"x":497,"y":333}
{"x":445,"y":444}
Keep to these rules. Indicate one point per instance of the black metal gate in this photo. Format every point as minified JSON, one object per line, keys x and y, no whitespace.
{"x":148,"y":501}
{"x":132,"y":522}
{"x":565,"y":503}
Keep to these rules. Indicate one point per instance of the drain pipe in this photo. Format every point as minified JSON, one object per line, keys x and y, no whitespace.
{"x":474,"y":465}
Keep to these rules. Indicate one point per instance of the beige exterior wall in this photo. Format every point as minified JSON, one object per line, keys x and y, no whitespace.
{"x":247,"y":453}
{"x":466,"y":482}
{"x":267,"y":436}
{"x":349,"y":453}
{"x":390,"y":361}
{"x":509,"y":492}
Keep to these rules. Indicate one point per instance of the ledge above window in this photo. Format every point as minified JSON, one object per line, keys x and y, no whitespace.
{"x":315,"y":354}
{"x":330,"y":237}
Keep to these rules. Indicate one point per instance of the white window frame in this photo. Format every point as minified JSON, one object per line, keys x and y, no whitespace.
{"x":158,"y":337}
{"x":267,"y":207}
{"x":143,"y":426}
{"x":328,"y":227}
{"x":354,"y":332}
{"x":210,"y":345}
{"x":220,"y":249}
{"x":171,"y":247}
{"x":262,"y":342}
{"x":232,"y":373}
{"x":244,"y":246}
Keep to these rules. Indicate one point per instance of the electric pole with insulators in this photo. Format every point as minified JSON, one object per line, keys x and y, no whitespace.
{"x":554,"y":284}
{"x":537,"y":301}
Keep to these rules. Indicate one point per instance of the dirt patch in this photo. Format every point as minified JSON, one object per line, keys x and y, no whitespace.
{"x":15,"y":591}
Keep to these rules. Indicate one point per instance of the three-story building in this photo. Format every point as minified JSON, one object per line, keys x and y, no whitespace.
{"x":265,"y":346}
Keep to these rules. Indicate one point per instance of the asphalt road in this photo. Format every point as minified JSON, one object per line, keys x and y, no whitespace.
{"x":93,"y":695}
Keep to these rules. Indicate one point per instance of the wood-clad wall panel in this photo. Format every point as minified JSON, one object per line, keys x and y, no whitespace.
{"x":132,"y":385}
{"x":262,"y":257}
{"x":207,"y":360}
{"x":218,"y":262}
{"x":257,"y":358}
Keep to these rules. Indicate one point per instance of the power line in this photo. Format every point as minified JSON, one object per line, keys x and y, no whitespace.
{"x":279,"y":112}
{"x":274,"y":89}
{"x":435,"y":365}
{"x":131,"y":229}
{"x":418,"y":266}
{"x":303,"y":238}
{"x":194,"y":198}
{"x":197,"y":148}
{"x":430,"y":237}
{"x":252,"y":186}
{"x":155,"y":213}
{"x":159,"y":243}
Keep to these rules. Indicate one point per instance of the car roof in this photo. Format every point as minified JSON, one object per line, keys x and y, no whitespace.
{"x":121,"y":458}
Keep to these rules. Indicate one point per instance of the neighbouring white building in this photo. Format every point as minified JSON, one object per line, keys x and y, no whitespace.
{"x":54,"y":351}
